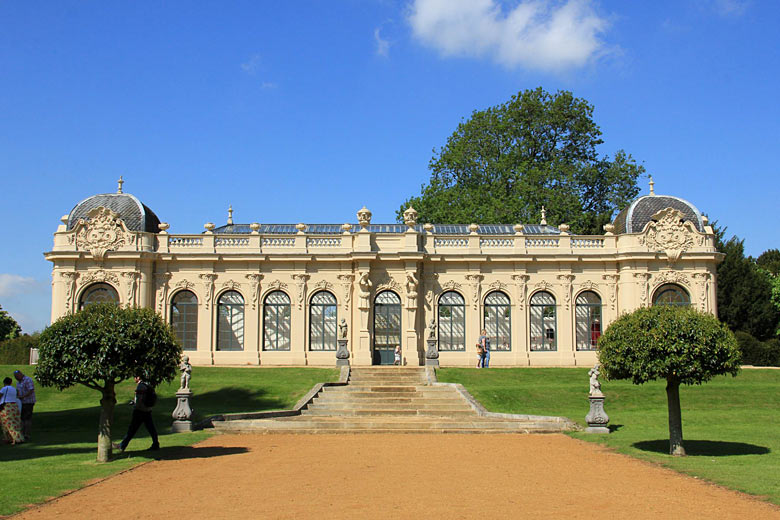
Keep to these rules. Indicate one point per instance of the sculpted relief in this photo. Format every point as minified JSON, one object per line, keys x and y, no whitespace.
{"x":669,"y":234}
{"x":103,"y":230}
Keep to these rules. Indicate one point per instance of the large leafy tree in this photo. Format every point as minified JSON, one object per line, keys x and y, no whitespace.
{"x":9,"y":329}
{"x":745,"y":293}
{"x":537,"y":149}
{"x":102,"y":346}
{"x":678,"y":344}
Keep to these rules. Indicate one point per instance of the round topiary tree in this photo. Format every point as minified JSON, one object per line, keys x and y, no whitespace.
{"x":102,"y":346}
{"x":679,"y":344}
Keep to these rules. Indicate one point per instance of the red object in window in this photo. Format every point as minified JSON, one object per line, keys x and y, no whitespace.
{"x":595,"y":333}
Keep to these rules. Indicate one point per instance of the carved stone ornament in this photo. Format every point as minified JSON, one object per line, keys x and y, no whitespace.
{"x":346,"y":284}
{"x":449,"y":285}
{"x":429,"y":299}
{"x":410,"y":217}
{"x":232,"y":285}
{"x":589,"y":285}
{"x":389,"y":284}
{"x":364,"y":217}
{"x":131,"y":278}
{"x":497,"y":286}
{"x":69,"y":279}
{"x":99,"y":275}
{"x":668,"y":233}
{"x":474,"y":280}
{"x":364,"y":285}
{"x":208,"y":280}
{"x":184,"y":284}
{"x":703,"y":281}
{"x":277,"y":285}
{"x":521,"y":282}
{"x":566,"y":280}
{"x":544,"y":285}
{"x":612,"y":280}
{"x":103,"y":230}
{"x":324,"y":285}
{"x":162,"y":280}
{"x":643,"y":279}
{"x":254,"y":279}
{"x":300,"y":282}
{"x":671,"y":277}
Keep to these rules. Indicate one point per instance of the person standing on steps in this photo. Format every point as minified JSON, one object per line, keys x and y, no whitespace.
{"x":145,"y":399}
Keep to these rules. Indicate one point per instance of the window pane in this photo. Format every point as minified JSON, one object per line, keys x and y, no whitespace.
{"x":497,"y":320}
{"x":184,"y":319}
{"x":276,"y":321}
{"x":230,"y":321}
{"x":452,"y":321}
{"x":98,"y":293}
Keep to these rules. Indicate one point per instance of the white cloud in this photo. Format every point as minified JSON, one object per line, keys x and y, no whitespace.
{"x":13,"y":284}
{"x":730,"y":7}
{"x":533,"y":34}
{"x":251,"y":66}
{"x":382,"y":45}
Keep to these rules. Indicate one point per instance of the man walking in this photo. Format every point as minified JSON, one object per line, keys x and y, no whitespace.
{"x":25,"y":391}
{"x":142,"y":414}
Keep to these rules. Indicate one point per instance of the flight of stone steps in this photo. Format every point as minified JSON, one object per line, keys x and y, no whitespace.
{"x":393,"y":400}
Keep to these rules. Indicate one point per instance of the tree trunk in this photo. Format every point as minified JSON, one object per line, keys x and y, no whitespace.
{"x":106,"y":417}
{"x":675,"y":418}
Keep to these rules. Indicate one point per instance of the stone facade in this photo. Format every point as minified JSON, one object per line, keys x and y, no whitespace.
{"x":351,"y":265}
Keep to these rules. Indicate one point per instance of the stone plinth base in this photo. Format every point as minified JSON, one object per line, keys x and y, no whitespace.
{"x":597,"y":418}
{"x":182,"y":414}
{"x":432,"y":354}
{"x":342,"y":354}
{"x":431,"y":362}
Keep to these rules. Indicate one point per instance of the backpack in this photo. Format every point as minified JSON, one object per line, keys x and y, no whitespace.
{"x":150,"y":397}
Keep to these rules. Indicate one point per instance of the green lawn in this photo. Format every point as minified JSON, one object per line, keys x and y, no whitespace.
{"x":731,"y":426}
{"x":62,"y":454}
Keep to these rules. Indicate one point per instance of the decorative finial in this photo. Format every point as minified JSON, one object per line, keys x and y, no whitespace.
{"x":652,"y":184}
{"x":119,"y":184}
{"x":364,"y":217}
{"x":544,"y":217}
{"x":230,"y":215}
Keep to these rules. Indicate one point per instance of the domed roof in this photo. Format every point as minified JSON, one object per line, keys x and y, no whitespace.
{"x":635,"y":217}
{"x":136,"y":216}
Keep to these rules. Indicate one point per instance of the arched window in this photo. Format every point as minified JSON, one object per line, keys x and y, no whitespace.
{"x":276,"y":321}
{"x":497,"y":322}
{"x":452,"y":321}
{"x":543,"y":327}
{"x":184,"y":319}
{"x":671,"y":294}
{"x":387,"y":327}
{"x":98,"y":293}
{"x":230,"y":321}
{"x":587,"y":319}
{"x":322,"y":322}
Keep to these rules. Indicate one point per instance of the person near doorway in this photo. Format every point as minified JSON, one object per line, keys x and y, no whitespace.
{"x":397,"y":360}
{"x":484,"y":343}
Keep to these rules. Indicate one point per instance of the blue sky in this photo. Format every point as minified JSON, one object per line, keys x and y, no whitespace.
{"x":305,"y":111}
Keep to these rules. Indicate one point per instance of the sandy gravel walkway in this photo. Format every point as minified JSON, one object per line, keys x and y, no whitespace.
{"x":402,"y":476}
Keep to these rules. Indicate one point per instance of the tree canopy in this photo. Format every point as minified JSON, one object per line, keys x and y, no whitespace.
{"x":537,"y":149}
{"x":678,"y":344}
{"x":9,"y":329}
{"x":103,"y":345}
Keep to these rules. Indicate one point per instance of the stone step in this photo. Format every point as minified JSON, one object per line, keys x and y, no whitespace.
{"x":348,"y":412}
{"x":337,"y":399}
{"x":390,"y":404}
{"x":341,"y":431}
{"x":382,"y":424}
{"x":390,"y":387}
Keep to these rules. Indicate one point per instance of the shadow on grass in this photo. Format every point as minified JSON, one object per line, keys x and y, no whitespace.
{"x":704,"y":448}
{"x":614,"y":427}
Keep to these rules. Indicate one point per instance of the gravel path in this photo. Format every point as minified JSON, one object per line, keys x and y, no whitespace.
{"x":402,"y":476}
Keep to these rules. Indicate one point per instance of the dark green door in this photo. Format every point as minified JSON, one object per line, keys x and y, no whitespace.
{"x":387,"y":327}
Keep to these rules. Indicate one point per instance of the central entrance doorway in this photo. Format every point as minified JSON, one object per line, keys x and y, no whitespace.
{"x":387,"y":327}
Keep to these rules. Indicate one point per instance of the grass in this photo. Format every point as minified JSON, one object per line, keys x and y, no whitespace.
{"x":62,"y":454}
{"x":731,"y":426}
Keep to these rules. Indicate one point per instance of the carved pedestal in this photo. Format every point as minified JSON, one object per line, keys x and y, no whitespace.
{"x":597,"y":418}
{"x":432,"y":354}
{"x":342,"y":354}
{"x":182,"y":414}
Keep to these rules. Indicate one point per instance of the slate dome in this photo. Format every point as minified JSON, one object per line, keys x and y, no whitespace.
{"x":134,"y":213}
{"x":635,"y":217}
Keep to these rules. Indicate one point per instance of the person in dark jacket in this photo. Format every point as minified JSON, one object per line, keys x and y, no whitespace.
{"x":142,"y":414}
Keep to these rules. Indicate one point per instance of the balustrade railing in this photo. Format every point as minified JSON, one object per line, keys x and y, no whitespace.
{"x":278,"y":241}
{"x":323,"y":242}
{"x":541,"y":242}
{"x":174,"y":241}
{"x":450,"y":242}
{"x":496,"y":242}
{"x":588,"y":243}
{"x":231,"y":242}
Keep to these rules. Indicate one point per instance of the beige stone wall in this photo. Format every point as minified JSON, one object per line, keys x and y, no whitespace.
{"x":624,"y":270}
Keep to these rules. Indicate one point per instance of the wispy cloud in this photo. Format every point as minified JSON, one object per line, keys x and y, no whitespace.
{"x":13,"y":284}
{"x":382,"y":45}
{"x":728,"y":8}
{"x":251,"y":66}
{"x":533,"y":34}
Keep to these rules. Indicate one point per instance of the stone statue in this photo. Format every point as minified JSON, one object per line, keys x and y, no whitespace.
{"x":343,"y":329}
{"x":186,"y":372}
{"x":595,"y":386}
{"x":411,"y":284}
{"x":432,"y":329}
{"x":365,"y":288}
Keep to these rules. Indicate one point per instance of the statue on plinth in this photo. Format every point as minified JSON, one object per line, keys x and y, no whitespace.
{"x":186,"y":372}
{"x":595,"y":385}
{"x":343,"y":328}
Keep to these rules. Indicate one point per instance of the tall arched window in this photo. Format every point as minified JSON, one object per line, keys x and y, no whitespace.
{"x":276,"y":321}
{"x":497,"y":321}
{"x":452,"y":321}
{"x":543,"y":327}
{"x":322,"y":321}
{"x":671,"y":294}
{"x":387,"y":327}
{"x":587,"y":318}
{"x":230,"y":321}
{"x":184,"y":319}
{"x":98,"y":293}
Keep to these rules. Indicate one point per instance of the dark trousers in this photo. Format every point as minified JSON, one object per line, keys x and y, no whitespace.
{"x":139,"y":418}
